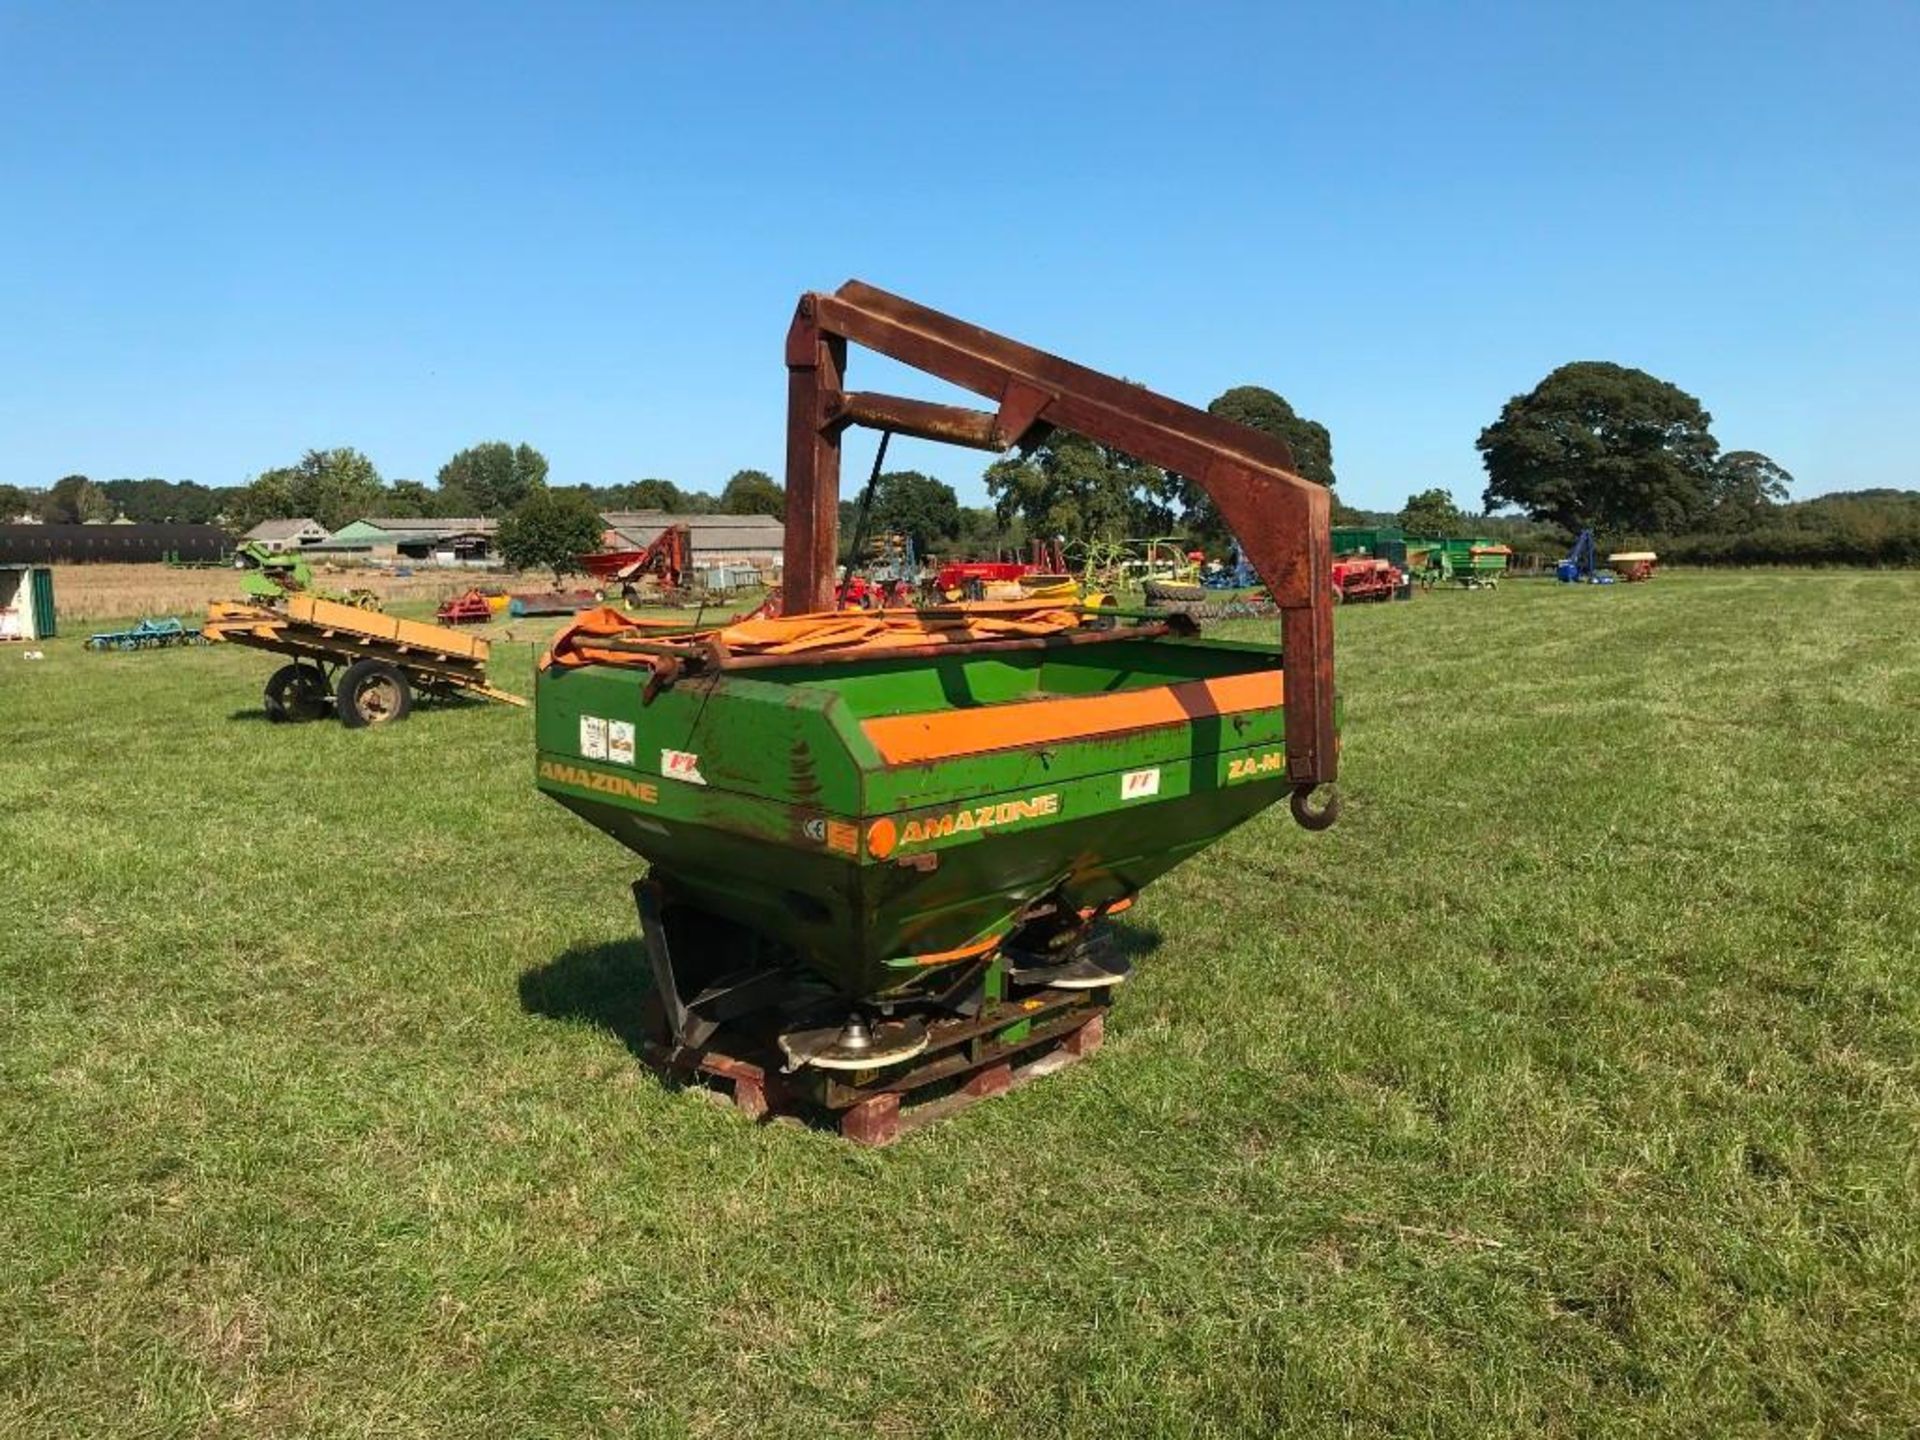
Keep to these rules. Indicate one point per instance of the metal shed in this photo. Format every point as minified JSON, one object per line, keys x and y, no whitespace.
{"x":26,"y":602}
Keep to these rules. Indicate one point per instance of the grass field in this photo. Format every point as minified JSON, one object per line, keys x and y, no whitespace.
{"x":1568,"y":1086}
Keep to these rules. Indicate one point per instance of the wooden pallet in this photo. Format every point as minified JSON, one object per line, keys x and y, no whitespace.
{"x":965,"y":1062}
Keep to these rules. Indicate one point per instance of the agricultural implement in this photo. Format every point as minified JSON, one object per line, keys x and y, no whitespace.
{"x":1633,"y":565}
{"x":660,"y":566}
{"x":884,"y":845}
{"x":1473,"y":564}
{"x":471,"y":608}
{"x":363,"y":667}
{"x":551,"y":602}
{"x":1365,"y":577}
{"x":1580,"y":567}
{"x":273,"y":575}
{"x":149,"y":634}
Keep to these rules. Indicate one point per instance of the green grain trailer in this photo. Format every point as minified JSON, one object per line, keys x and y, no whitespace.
{"x":1475,"y":562}
{"x":879,"y":871}
{"x":26,"y":602}
{"x":1383,"y":542}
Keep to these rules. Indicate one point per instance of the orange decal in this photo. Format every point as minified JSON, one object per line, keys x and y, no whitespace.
{"x":907,"y":739}
{"x":963,"y":952}
{"x":843,"y":837}
{"x":882,"y":836}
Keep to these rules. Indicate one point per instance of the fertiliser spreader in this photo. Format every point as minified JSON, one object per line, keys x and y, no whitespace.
{"x":882,"y":844}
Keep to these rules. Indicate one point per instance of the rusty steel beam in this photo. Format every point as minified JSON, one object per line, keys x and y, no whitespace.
{"x":815,"y":360}
{"x":949,"y":424}
{"x":1283,"y":522}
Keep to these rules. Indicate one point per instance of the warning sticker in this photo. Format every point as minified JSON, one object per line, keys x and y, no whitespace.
{"x":620,"y":741}
{"x":593,"y":737}
{"x":681,"y":765}
{"x":1138,"y":784}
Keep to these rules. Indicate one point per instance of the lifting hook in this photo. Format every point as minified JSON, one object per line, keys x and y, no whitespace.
{"x":1309,"y":818}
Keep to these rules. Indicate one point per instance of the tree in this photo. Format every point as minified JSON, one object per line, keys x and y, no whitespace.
{"x":655,"y":495}
{"x":155,"y":501}
{"x":408,"y":499}
{"x":330,"y":486}
{"x":334,"y":486}
{"x":1432,"y":515}
{"x":495,"y":475}
{"x":907,"y":502}
{"x":983,"y":534}
{"x":142,"y":501}
{"x":1602,"y":445}
{"x":753,"y":492}
{"x":1746,"y":487}
{"x":1070,"y":486}
{"x":75,"y":500}
{"x":16,"y":502}
{"x":550,"y":530}
{"x":1262,"y":409}
{"x":267,"y":496}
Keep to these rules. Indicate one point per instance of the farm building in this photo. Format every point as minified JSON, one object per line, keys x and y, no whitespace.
{"x":282,"y":535}
{"x":26,"y":602}
{"x":120,"y":544}
{"x":755,"y":540}
{"x":464,"y":540}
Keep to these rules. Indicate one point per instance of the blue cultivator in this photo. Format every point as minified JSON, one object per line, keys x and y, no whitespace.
{"x":147,"y":635}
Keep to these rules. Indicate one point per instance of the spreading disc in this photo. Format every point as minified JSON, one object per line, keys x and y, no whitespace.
{"x":855,"y":1045}
{"x":1083,"y":972}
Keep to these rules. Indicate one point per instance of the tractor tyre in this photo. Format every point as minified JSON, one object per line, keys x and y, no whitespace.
{"x":372,"y":692}
{"x":297,"y":692}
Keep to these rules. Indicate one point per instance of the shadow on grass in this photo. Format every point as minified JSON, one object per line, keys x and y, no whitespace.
{"x":423,"y":704}
{"x":1131,"y":941}
{"x":605,"y":985}
{"x":608,"y":984}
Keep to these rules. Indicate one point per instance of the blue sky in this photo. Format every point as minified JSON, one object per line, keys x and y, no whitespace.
{"x":231,"y":232}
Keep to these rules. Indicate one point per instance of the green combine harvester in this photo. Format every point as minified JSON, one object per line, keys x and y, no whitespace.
{"x":883,"y":846}
{"x":273,"y":575}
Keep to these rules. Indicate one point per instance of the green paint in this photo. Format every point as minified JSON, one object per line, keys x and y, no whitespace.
{"x":766,"y":823}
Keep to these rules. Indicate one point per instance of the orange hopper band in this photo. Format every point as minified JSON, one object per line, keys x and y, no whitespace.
{"x":909,"y":739}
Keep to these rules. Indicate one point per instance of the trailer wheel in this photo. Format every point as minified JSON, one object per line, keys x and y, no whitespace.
{"x":372,"y":692}
{"x":297,"y":692}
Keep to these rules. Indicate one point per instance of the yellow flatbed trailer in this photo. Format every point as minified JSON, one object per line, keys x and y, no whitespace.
{"x":360,"y":665}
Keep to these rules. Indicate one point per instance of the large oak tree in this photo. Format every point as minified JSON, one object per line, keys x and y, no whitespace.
{"x":1602,"y":445}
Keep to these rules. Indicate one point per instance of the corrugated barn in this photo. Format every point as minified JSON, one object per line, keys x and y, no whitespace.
{"x":118,"y":544}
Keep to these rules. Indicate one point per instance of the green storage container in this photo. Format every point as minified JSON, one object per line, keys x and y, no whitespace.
{"x":1386,"y":542}
{"x":26,"y":602}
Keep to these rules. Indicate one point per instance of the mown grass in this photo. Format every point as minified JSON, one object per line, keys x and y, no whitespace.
{"x":1568,"y":1086}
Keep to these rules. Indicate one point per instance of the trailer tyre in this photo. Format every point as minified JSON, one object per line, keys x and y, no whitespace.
{"x":372,"y":692}
{"x":297,"y":692}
